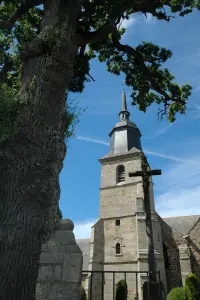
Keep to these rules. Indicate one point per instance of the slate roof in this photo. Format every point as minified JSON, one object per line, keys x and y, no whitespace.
{"x":182,"y":224}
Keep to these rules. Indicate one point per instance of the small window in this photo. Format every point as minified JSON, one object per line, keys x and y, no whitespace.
{"x":117,"y":222}
{"x":120,"y":174}
{"x":118,"y":248}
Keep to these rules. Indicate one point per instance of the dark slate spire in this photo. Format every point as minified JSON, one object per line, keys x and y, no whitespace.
{"x":125,"y":136}
{"x":124,"y":114}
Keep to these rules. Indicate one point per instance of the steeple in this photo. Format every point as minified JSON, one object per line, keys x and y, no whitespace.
{"x":125,"y":136}
{"x":124,"y":114}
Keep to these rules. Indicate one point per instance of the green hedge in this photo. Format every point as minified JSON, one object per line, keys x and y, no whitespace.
{"x":177,"y":294}
{"x":192,"y":286}
{"x":121,"y":291}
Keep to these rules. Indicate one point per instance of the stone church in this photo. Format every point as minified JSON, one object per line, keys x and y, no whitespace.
{"x":119,"y":240}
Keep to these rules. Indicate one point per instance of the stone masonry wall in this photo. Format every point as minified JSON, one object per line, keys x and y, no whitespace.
{"x":60,"y":266}
{"x":94,"y":280}
{"x":194,"y":244}
{"x":117,"y":199}
{"x":124,"y":235}
{"x":173,"y":272}
{"x":171,"y":240}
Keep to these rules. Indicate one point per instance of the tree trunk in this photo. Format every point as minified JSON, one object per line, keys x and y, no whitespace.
{"x":30,"y":165}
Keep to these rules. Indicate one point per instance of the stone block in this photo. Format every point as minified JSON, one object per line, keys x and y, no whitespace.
{"x":72,"y":267}
{"x":45,"y":248}
{"x":65,"y":291}
{"x":65,"y":237}
{"x":60,"y":266}
{"x":51,"y":258}
{"x":45,"y":273}
{"x":43,"y":291}
{"x":57,"y":273}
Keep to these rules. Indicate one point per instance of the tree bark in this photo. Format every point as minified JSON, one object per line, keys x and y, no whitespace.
{"x":30,"y":165}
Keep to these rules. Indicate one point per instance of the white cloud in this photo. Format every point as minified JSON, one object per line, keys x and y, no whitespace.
{"x":127,"y":23}
{"x":91,"y":140}
{"x":159,"y":132}
{"x":149,"y":18}
{"x":170,"y":157}
{"x":197,"y":110}
{"x":178,"y":190}
{"x":82,"y":230}
{"x":197,"y":88}
{"x":182,"y":202}
{"x":161,"y":155}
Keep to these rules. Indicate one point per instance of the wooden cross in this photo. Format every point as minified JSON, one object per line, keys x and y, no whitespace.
{"x":145,"y":173}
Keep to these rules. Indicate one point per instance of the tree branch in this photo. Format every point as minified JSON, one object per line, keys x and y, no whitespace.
{"x":96,"y":36}
{"x":88,"y":74}
{"x":113,"y":20}
{"x":23,"y":9}
{"x":131,"y":51}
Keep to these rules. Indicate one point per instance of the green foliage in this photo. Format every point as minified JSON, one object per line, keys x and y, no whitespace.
{"x":83,"y":294}
{"x":121,"y":291}
{"x":142,"y":65}
{"x":73,"y":113}
{"x":192,"y":286}
{"x":177,"y":294}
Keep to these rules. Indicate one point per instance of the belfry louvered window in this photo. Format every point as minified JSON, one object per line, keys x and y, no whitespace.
{"x":117,"y":248}
{"x":120,"y":174}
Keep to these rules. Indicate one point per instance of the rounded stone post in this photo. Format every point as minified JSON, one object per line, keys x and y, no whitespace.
{"x":60,"y":269}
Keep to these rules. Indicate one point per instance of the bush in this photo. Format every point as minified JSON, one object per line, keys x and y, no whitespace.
{"x":192,"y":286}
{"x":83,"y":294}
{"x":121,"y":291}
{"x":177,"y":294}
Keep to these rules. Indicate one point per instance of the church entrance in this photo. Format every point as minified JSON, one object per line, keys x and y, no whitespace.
{"x":112,"y":285}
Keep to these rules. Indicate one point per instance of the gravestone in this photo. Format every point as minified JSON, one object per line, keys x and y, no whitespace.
{"x":60,"y":270}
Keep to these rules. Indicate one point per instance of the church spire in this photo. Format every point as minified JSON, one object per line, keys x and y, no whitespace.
{"x":125,"y":136}
{"x":124,"y":114}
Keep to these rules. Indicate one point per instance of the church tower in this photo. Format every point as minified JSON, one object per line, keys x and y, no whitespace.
{"x":119,"y":240}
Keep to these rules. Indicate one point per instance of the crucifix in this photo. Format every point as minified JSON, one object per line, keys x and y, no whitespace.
{"x":146,"y":173}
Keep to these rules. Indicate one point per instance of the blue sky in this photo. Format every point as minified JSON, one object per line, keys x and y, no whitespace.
{"x":173,"y":148}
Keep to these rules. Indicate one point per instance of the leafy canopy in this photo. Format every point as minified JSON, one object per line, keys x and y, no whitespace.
{"x":98,"y":34}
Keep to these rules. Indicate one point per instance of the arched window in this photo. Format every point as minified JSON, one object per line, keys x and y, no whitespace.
{"x":120,"y":174}
{"x":117,"y":248}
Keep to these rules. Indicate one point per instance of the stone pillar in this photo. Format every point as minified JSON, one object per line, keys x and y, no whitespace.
{"x":142,"y":241}
{"x":60,"y":269}
{"x":185,"y":264}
